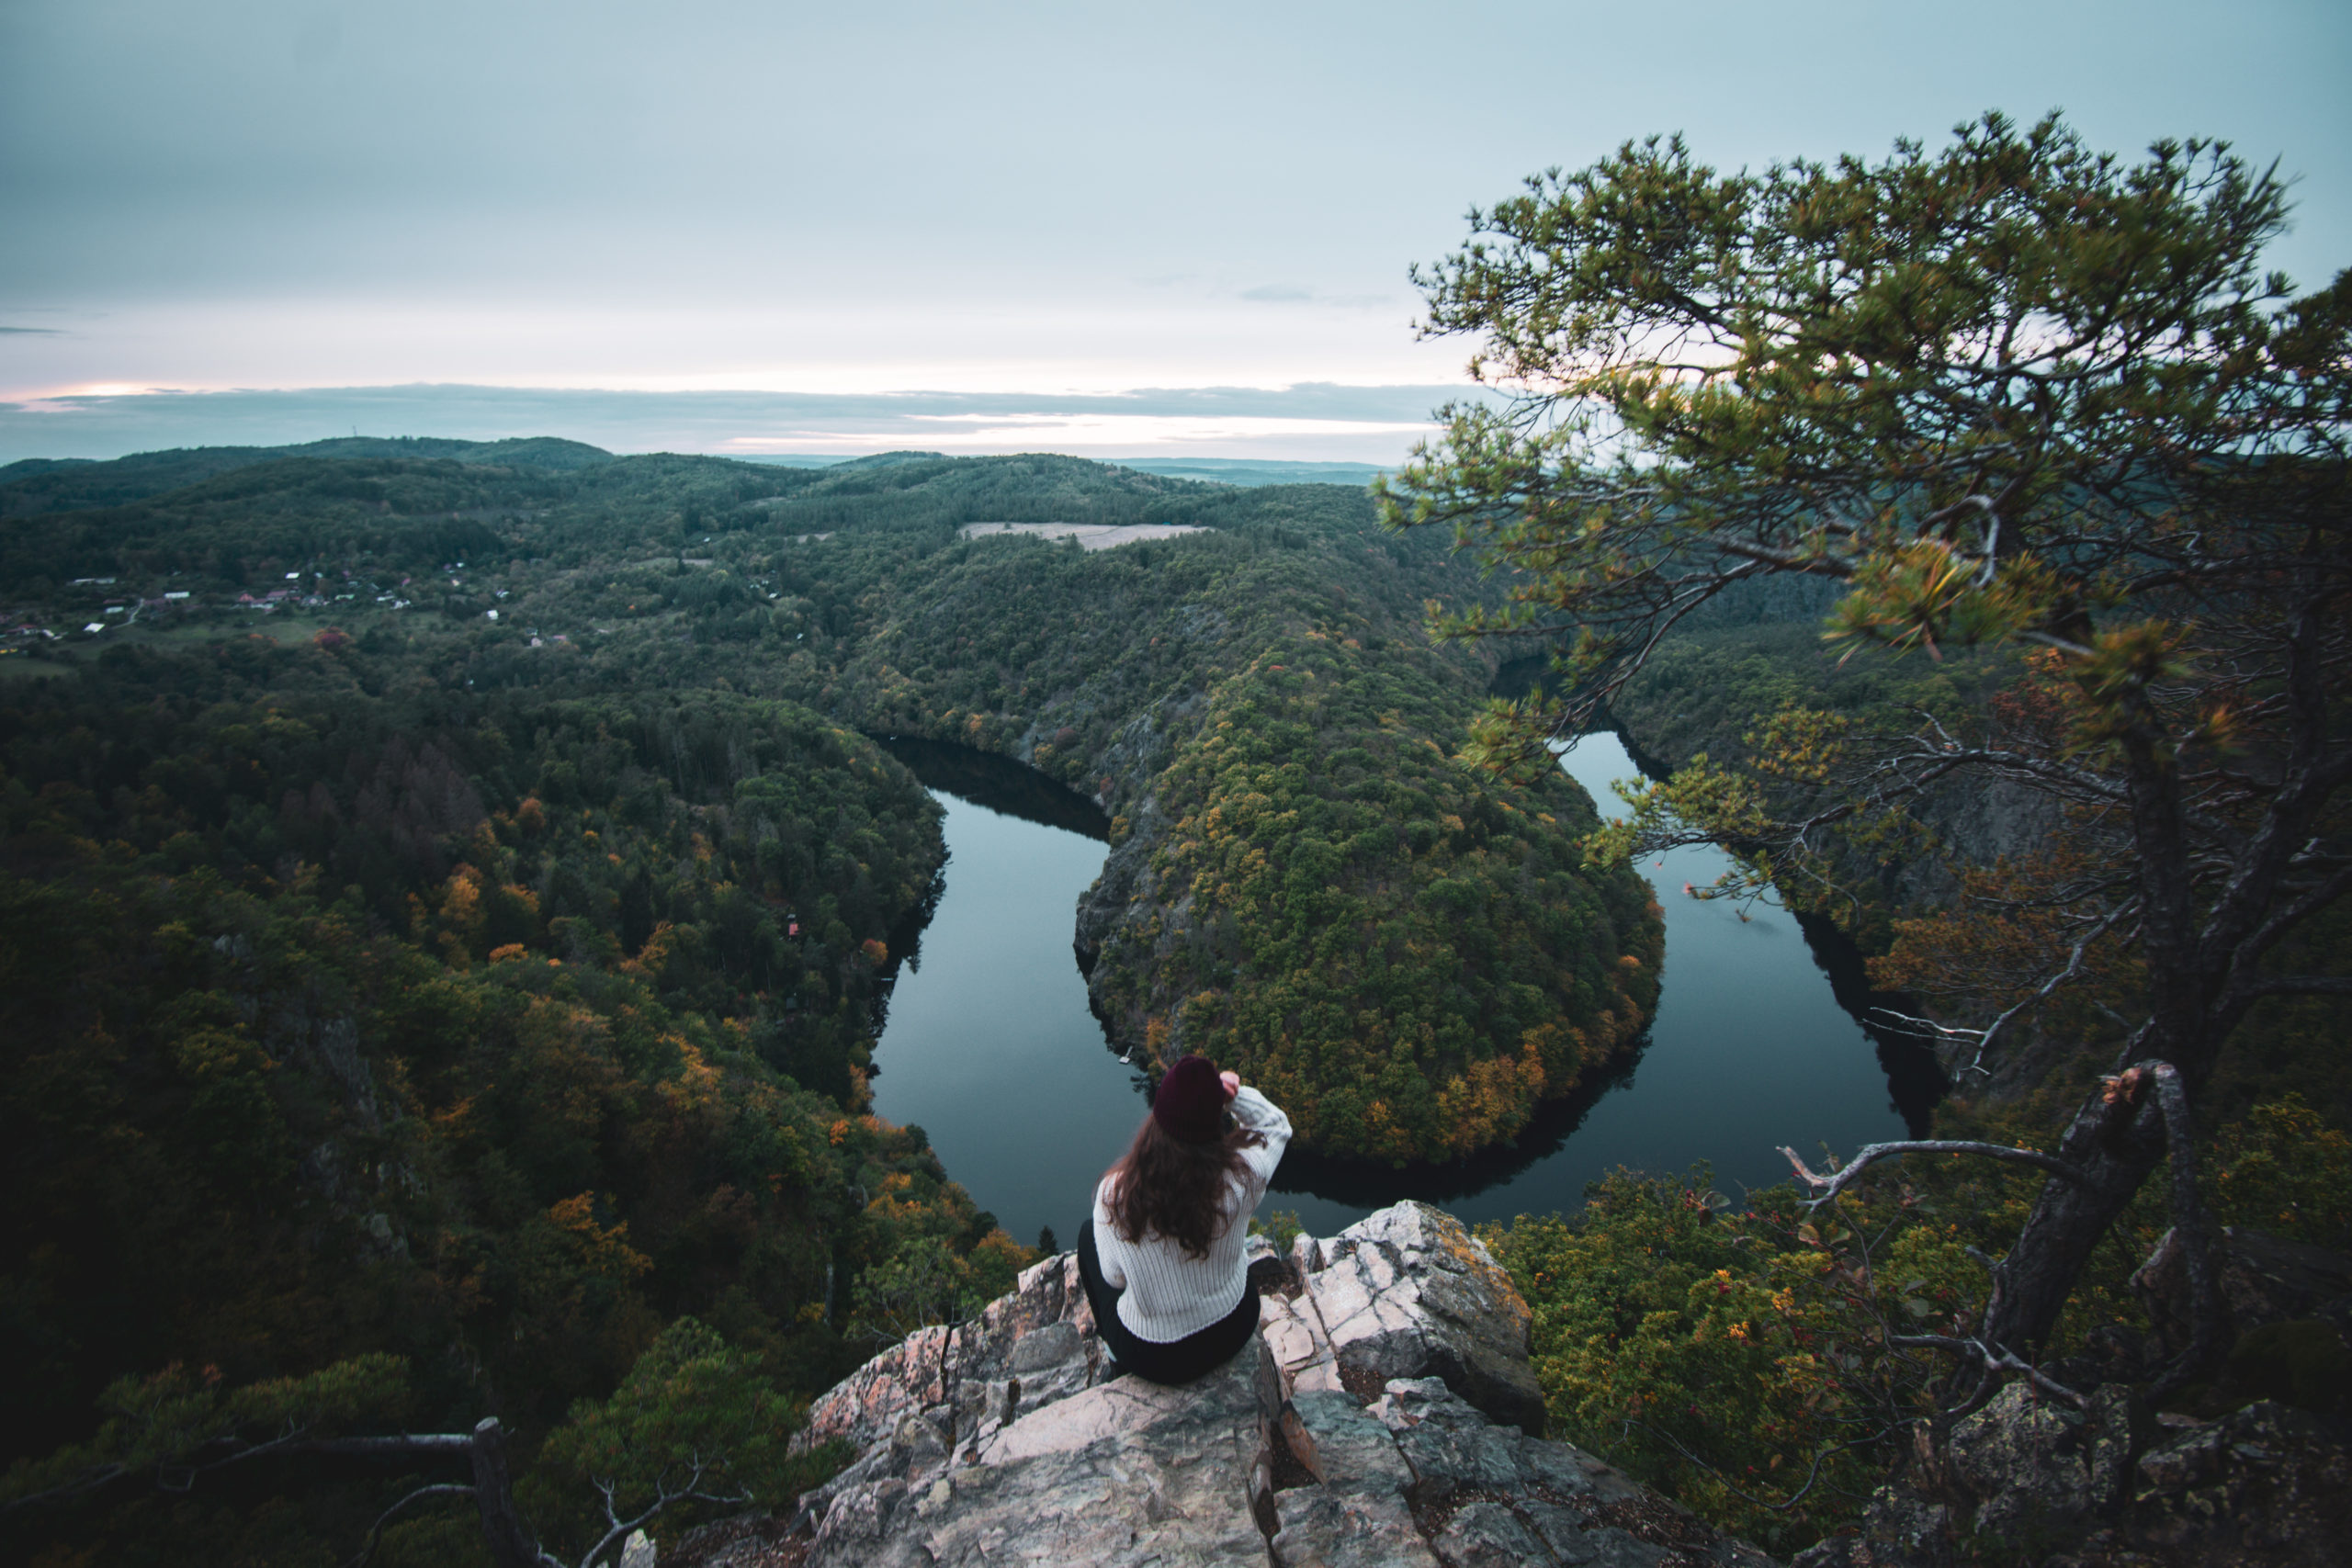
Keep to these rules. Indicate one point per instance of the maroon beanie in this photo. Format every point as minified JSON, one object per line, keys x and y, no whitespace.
{"x":1190,"y":1104}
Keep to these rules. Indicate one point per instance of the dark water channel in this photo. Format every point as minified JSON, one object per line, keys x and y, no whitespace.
{"x":991,"y":1049}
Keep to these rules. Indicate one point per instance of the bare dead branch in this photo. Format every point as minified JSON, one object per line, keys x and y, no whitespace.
{"x":1911,"y":1023}
{"x":2283,"y":918}
{"x":2074,"y":966}
{"x":1811,"y":1475}
{"x":376,"y":1535}
{"x":2303,"y":985}
{"x":89,"y":1480}
{"x":664,"y":1493}
{"x":1993,"y":1360}
{"x":1826,"y":1187}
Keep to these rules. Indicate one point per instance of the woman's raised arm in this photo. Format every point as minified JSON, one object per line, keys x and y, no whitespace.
{"x":1253,"y":1112}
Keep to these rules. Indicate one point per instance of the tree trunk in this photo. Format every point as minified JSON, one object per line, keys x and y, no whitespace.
{"x":2117,"y":1139}
{"x":2116,"y":1142}
{"x":511,"y":1543}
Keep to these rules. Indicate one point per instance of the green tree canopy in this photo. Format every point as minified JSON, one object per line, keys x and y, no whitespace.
{"x":2011,"y":390}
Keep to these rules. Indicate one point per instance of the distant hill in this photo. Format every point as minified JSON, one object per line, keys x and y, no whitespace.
{"x":890,"y":459}
{"x":1247,"y":471}
{"x":36,"y":485}
{"x":1254,"y":471}
{"x":72,"y":484}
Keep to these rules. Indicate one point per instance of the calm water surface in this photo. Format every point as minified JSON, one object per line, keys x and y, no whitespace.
{"x":990,"y":1047}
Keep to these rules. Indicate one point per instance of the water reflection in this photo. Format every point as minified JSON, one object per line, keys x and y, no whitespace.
{"x":1000,"y":785}
{"x":989,"y":1046}
{"x":1915,"y":1079}
{"x":1355,"y":1185}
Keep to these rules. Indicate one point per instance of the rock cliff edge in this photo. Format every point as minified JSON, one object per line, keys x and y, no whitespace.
{"x":1385,"y":1414}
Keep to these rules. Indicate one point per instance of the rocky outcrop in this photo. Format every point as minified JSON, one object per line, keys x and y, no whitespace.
{"x":1385,"y":1414}
{"x":1409,"y":1293}
{"x":1421,"y":1477}
{"x":1977,"y":822}
{"x":2263,"y":1280}
{"x":2026,"y":1480}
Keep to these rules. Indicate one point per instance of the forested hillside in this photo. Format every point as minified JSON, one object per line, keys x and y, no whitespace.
{"x":1306,"y":884}
{"x":350,"y":1013}
{"x":35,"y":485}
{"x":446,"y":943}
{"x":1303,"y":883}
{"x":449,"y":900}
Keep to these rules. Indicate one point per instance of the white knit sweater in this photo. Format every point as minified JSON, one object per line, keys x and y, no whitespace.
{"x":1170,"y":1295}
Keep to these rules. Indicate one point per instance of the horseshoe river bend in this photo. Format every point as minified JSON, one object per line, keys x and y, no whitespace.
{"x":990,"y":1048}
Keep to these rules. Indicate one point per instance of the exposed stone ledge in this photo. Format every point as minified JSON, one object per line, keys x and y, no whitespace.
{"x":1408,"y":1293}
{"x":1385,"y":1415}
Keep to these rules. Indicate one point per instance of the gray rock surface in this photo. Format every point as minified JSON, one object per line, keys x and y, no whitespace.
{"x":1124,"y":1473}
{"x":2264,"y":1279}
{"x":1408,"y":1293}
{"x":2040,"y":1468}
{"x":1385,"y":1415}
{"x":2110,"y":1487}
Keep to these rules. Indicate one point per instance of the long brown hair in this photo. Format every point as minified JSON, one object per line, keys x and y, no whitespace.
{"x":1177,"y":1189}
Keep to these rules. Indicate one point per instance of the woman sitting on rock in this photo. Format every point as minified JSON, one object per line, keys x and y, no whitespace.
{"x":1162,"y":1254}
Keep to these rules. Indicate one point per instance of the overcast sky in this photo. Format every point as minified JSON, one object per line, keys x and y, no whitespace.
{"x":1059,"y":222}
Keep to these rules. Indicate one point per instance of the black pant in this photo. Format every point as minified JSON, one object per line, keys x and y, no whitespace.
{"x":1178,"y":1361}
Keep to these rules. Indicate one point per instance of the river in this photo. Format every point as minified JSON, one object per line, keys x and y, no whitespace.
{"x":990,"y":1048}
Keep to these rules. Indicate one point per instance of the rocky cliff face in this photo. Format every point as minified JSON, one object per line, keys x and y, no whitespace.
{"x":2029,"y":1480}
{"x":1385,"y":1414}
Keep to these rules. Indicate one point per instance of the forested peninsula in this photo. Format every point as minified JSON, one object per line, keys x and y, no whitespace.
{"x":1302,"y":881}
